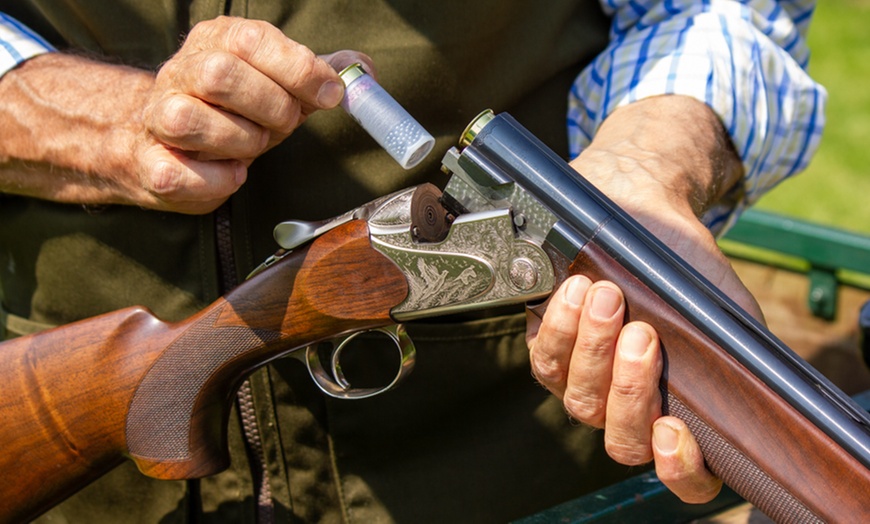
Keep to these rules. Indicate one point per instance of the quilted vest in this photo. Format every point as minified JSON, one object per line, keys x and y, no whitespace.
{"x":444,"y":61}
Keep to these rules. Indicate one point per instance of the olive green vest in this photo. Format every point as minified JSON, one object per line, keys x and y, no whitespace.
{"x":445,"y":62}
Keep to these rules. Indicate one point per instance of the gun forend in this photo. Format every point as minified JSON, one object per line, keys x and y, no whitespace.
{"x":773,"y":428}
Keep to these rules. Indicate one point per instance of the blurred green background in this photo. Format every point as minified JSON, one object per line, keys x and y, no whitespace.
{"x":835,"y":189}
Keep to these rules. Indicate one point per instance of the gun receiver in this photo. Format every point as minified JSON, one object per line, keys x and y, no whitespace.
{"x":514,"y":220}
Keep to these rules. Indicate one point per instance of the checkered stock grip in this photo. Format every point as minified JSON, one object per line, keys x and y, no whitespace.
{"x":176,"y":423}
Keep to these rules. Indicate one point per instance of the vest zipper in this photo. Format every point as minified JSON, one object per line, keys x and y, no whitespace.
{"x":244,"y":397}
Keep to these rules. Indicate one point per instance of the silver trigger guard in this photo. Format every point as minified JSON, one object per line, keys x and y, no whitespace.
{"x":336,"y":385}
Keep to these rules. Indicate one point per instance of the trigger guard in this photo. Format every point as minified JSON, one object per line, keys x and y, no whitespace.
{"x":336,"y":385}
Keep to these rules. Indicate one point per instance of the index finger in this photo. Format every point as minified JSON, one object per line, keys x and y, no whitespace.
{"x":289,"y":64}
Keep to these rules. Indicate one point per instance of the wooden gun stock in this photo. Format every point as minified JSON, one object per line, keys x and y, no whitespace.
{"x":78,"y":399}
{"x":757,"y":443}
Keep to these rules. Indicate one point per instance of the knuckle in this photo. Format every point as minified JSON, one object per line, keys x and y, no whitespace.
{"x":306,"y":61}
{"x":286,"y":114}
{"x":169,"y":70}
{"x":547,"y":370}
{"x":164,"y":178}
{"x":204,"y":31}
{"x":246,"y":37}
{"x":630,"y":392}
{"x":176,"y":118}
{"x":199,"y":31}
{"x":595,"y":344}
{"x":640,"y":389}
{"x":628,"y":454}
{"x":217,"y":75}
{"x":558,"y":332}
{"x":254,"y":143}
{"x":302,"y":64}
{"x":585,"y":408}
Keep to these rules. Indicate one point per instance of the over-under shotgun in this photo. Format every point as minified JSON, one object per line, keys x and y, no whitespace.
{"x":513,"y":221}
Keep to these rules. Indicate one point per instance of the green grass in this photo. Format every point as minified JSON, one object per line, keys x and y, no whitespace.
{"x":835,"y":189}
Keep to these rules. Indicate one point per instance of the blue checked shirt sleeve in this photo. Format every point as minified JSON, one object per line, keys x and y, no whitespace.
{"x":745,"y":59}
{"x":18,"y":43}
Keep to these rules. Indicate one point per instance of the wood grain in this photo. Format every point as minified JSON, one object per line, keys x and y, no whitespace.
{"x":67,"y":395}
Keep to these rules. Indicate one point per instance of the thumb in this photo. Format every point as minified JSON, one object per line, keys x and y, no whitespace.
{"x":680,"y":464}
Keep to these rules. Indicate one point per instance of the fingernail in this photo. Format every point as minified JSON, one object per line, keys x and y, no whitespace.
{"x":605,"y":303}
{"x":665,"y":438}
{"x":575,"y":293}
{"x":633,"y":342}
{"x":330,"y":94}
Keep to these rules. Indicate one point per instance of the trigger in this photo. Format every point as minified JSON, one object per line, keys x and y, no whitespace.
{"x":332,"y":381}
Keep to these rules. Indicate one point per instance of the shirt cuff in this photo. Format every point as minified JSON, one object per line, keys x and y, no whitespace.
{"x":18,"y":43}
{"x":722,"y":54}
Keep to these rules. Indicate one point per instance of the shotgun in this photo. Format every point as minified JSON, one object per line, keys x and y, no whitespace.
{"x":513,"y":221}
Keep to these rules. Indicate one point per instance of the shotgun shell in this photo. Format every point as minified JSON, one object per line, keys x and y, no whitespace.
{"x":383,"y":118}
{"x":475,"y":127}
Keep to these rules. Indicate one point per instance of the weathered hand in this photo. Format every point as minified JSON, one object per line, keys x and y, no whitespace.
{"x":236,"y":88}
{"x":78,"y":130}
{"x":606,"y":372}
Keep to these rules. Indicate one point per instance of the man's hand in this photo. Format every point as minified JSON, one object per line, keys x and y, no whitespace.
{"x":664,"y":160}
{"x":235,"y":89}
{"x":76,"y":130}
